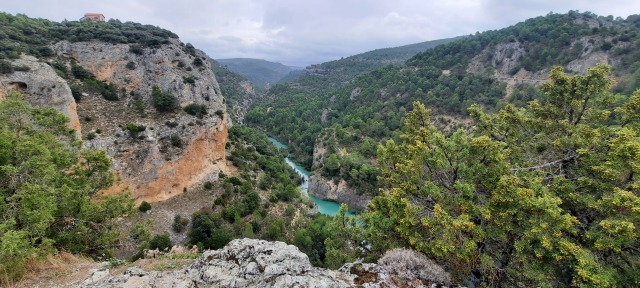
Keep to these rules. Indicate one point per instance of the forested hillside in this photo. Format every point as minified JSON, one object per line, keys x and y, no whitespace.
{"x":540,"y":196}
{"x":237,"y":90}
{"x":490,"y":69}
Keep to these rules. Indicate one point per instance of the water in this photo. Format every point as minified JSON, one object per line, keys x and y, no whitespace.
{"x":324,"y":206}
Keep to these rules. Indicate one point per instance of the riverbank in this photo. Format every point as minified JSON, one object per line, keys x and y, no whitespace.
{"x":326,"y":207}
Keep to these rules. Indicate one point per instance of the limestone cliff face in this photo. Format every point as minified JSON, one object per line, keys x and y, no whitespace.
{"x":41,"y":87}
{"x":259,"y":263}
{"x":176,"y":151}
{"x":325,"y":188}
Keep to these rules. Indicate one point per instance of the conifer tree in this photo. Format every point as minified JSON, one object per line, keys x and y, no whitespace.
{"x":545,"y":195}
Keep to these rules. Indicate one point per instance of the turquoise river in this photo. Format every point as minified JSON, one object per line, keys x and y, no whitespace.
{"x":324,"y":206}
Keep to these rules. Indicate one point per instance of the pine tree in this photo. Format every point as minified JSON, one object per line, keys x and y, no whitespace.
{"x":544,"y":195}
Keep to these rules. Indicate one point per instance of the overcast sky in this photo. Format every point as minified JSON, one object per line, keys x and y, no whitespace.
{"x":303,"y":32}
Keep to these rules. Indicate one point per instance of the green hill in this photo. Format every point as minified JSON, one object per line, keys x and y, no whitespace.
{"x":490,"y":68}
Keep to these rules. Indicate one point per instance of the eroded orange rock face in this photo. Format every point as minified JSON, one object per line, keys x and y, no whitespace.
{"x":175,"y":150}
{"x":201,"y":161}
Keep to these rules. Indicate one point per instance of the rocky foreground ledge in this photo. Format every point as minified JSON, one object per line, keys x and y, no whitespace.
{"x":260,"y":263}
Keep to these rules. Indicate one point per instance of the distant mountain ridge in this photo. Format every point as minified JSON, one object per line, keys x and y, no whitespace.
{"x":262,"y":73}
{"x":491,"y":68}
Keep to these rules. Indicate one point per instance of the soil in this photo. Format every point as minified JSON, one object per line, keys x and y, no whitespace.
{"x":162,"y":214}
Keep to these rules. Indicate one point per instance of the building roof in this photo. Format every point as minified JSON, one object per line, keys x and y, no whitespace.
{"x":92,"y":14}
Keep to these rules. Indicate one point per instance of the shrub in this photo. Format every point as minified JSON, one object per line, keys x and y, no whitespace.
{"x":110,"y":92}
{"x":179,"y":223}
{"x":136,"y":49}
{"x":162,"y":242}
{"x":5,"y":67}
{"x":76,"y":93}
{"x":198,"y":62}
{"x":22,"y":68}
{"x":163,"y":102}
{"x":208,"y":185}
{"x":175,"y":141}
{"x":91,"y":136}
{"x":220,"y":113}
{"x":195,"y":109}
{"x":189,"y":80}
{"x":135,"y":129}
{"x":144,"y":206}
{"x":79,"y":72}
{"x":131,"y":65}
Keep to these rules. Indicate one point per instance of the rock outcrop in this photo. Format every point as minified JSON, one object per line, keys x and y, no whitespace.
{"x":176,"y":151}
{"x":324,"y":188}
{"x":41,"y":87}
{"x":260,"y":263}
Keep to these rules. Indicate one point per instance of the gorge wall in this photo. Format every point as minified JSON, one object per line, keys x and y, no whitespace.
{"x":175,"y":151}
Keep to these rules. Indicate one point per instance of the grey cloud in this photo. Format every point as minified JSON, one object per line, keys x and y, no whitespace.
{"x":299,"y":33}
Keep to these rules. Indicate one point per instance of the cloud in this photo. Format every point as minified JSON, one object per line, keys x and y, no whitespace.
{"x":305,"y":32}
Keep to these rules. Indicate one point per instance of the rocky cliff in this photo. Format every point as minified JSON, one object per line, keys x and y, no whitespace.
{"x":165,"y":153}
{"x":325,"y":188}
{"x":176,"y":150}
{"x":259,"y":263}
{"x":41,"y":87}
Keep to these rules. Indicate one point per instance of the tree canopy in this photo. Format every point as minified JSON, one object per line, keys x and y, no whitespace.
{"x":545,"y":195}
{"x":47,"y":190}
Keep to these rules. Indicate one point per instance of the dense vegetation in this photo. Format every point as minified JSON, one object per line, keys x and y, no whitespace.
{"x":264,"y":202}
{"x":371,"y":107}
{"x":21,"y":34}
{"x":47,"y":190}
{"x":240,"y":211}
{"x":236,"y":96}
{"x":540,"y":196}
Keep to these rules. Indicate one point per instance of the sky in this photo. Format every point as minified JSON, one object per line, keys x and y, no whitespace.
{"x":304,"y":32}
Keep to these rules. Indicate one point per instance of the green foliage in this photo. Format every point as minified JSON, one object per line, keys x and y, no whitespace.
{"x":198,"y":62}
{"x":136,"y":49}
{"x":346,"y":242}
{"x":532,"y":197}
{"x":115,"y":262}
{"x":76,"y":93}
{"x":209,"y":232}
{"x":144,"y":206}
{"x":232,"y":89}
{"x":134,"y":129}
{"x":21,"y":34}
{"x":163,"y":102}
{"x":162,"y":242}
{"x":188,"y":80}
{"x":80,"y":73}
{"x":176,"y":141}
{"x":371,"y":106}
{"x":131,"y":65}
{"x":179,"y":223}
{"x":109,"y":92}
{"x":5,"y":67}
{"x":241,"y":211}
{"x":258,"y":152}
{"x":195,"y":109}
{"x":47,"y":186}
